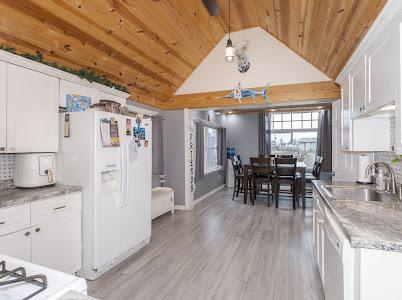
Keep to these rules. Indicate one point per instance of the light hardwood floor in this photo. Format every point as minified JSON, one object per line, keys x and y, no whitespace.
{"x":222,"y":249}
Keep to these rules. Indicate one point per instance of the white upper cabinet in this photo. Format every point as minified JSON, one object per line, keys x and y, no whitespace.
{"x":358,"y":88}
{"x":106,"y":96}
{"x":70,"y":88}
{"x":32,"y":111}
{"x":3,"y":107}
{"x":346,"y":124}
{"x":382,"y":69}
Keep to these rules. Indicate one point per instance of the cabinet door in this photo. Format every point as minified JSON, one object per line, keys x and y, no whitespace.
{"x":383,"y":70}
{"x":105,"y":96}
{"x":346,"y":123}
{"x":57,"y":244}
{"x":3,"y":112}
{"x":32,"y":111}
{"x":67,"y":88}
{"x":358,"y":91}
{"x":17,"y":244}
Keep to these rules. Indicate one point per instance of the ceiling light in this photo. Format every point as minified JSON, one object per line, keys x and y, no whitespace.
{"x":388,"y":107}
{"x":230,"y":112}
{"x":229,"y":50}
{"x":218,"y":113}
{"x":273,"y":109}
{"x":319,"y":107}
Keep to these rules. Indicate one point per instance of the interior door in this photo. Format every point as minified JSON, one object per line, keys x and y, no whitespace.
{"x":108,"y":196}
{"x":17,"y":244}
{"x":34,"y":128}
{"x":137,"y":209}
{"x":3,"y":106}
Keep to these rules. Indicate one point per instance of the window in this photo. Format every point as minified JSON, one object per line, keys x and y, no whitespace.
{"x":295,"y":133}
{"x":210,"y":149}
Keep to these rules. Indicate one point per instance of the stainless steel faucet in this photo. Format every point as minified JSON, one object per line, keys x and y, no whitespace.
{"x":393,"y":188}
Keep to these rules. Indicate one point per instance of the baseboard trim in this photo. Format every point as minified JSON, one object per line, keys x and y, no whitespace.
{"x":210,"y":193}
{"x":180,"y":207}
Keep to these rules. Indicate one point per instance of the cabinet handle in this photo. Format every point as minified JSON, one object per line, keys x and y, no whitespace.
{"x":37,"y":229}
{"x":2,"y":223}
{"x":27,"y":233}
{"x":60,"y":207}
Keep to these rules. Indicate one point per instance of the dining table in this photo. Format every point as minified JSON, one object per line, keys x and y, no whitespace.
{"x":300,"y":168}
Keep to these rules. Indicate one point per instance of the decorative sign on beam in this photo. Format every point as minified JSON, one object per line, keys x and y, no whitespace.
{"x":323,"y":90}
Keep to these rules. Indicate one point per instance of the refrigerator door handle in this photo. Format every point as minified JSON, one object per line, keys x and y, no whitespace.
{"x":127,"y":174}
{"x":122,"y":181}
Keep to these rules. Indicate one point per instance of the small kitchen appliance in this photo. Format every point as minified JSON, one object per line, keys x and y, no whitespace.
{"x":362,"y":177}
{"x":35,"y":170}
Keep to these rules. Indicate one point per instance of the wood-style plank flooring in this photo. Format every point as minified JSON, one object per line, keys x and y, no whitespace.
{"x":222,"y":249}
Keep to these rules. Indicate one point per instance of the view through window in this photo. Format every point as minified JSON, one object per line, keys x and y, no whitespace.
{"x":295,"y":133}
{"x":210,"y":149}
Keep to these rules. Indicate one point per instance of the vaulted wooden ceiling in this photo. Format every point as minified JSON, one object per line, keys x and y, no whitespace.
{"x":153,"y":46}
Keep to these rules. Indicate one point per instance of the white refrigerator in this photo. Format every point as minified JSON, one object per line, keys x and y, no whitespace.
{"x":116,"y":185}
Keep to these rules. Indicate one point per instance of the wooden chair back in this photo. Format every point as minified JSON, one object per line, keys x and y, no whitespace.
{"x":236,"y":166}
{"x":317,"y":167}
{"x":286,"y":167}
{"x":285,"y":156}
{"x":260,"y":166}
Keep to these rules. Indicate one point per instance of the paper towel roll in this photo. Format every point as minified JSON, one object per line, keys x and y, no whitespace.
{"x":363,"y":163}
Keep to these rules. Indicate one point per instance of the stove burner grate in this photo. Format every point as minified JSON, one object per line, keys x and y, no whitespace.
{"x":19,"y":275}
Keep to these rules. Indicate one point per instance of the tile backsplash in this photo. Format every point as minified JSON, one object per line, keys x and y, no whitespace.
{"x":6,"y":170}
{"x":387,"y":157}
{"x":6,"y":166}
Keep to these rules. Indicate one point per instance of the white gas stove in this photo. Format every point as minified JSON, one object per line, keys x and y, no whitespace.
{"x":23,"y":280}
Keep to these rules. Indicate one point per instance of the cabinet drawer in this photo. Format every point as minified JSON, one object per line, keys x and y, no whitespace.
{"x":52,"y":209}
{"x":14,"y":218}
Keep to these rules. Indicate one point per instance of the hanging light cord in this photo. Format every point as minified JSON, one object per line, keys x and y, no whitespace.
{"x":229,"y":19}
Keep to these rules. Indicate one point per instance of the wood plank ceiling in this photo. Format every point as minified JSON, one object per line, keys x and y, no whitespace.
{"x":153,"y":46}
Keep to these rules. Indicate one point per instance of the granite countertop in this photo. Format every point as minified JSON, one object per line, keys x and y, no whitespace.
{"x":367,"y":224}
{"x":16,"y":196}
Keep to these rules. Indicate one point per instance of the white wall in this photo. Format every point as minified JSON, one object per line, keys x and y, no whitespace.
{"x":271,"y":62}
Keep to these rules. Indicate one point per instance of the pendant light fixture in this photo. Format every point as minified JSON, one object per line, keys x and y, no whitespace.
{"x":229,"y":50}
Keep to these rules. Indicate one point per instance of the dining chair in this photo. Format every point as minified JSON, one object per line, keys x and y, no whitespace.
{"x":285,"y":156}
{"x":238,"y":177}
{"x":314,"y":175}
{"x":261,"y":174}
{"x":285,"y":170}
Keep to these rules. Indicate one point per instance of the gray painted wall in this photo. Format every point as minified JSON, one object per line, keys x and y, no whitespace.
{"x":214,"y":179}
{"x":242,"y":134}
{"x":173,"y":142}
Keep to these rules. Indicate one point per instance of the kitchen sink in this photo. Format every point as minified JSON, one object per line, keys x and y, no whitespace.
{"x":358,"y":193}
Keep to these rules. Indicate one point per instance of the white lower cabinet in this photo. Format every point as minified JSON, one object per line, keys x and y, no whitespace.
{"x":55,"y":243}
{"x":17,"y":244}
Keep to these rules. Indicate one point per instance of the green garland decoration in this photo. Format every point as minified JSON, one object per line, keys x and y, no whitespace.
{"x":89,"y":75}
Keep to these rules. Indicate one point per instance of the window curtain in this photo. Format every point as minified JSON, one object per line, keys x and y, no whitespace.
{"x":262,"y":134}
{"x":222,"y":161}
{"x":157,"y":146}
{"x":199,"y":151}
{"x":268,"y":133}
{"x":324,"y":139}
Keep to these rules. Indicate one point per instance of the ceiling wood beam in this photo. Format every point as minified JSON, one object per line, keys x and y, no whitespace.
{"x":34,"y":11}
{"x":319,"y":91}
